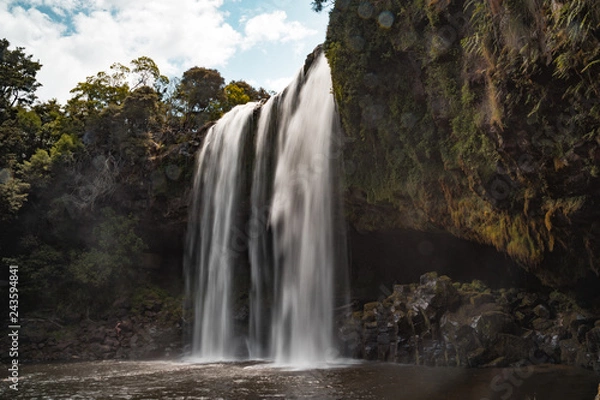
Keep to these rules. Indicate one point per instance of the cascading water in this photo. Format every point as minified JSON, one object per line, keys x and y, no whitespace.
{"x":211,"y":259}
{"x":301,"y":216}
{"x":291,"y":242}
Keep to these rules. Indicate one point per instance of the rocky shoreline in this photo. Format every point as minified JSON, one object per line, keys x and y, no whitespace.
{"x":439,"y":322}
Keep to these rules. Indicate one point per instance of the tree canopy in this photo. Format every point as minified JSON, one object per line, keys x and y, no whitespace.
{"x":17,"y":78}
{"x":77,"y":179}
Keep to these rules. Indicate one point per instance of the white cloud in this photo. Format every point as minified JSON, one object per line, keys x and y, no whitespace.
{"x":177,"y":34}
{"x":273,"y":27}
{"x":93,"y":34}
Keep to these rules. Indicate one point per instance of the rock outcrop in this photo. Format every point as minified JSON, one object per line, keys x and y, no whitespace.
{"x":438,"y":322}
{"x":479,"y":119}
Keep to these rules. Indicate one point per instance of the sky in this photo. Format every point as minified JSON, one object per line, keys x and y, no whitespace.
{"x":263,"y":42}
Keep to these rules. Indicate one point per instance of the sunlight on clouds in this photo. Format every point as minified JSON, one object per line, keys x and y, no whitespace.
{"x":108,"y":31}
{"x":28,"y":25}
{"x":88,"y":36}
{"x":273,"y":27}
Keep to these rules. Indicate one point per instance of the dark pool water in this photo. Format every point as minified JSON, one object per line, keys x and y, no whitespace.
{"x":252,"y":380}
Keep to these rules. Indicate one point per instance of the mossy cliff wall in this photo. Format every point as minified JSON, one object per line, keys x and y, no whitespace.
{"x":480,"y":118}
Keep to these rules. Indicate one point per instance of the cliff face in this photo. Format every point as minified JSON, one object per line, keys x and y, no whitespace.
{"x":477,"y":118}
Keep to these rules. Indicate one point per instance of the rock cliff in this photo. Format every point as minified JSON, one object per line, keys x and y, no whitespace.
{"x":476,"y":118}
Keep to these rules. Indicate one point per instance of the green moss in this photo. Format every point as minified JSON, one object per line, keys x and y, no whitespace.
{"x":453,"y":122}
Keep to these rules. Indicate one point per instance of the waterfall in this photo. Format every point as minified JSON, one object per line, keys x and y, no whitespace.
{"x":211,"y":254}
{"x":272,"y":214}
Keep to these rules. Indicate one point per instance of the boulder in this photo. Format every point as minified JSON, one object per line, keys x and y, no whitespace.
{"x":435,"y":293}
{"x":490,"y":324}
{"x":513,"y":348}
{"x":568,"y":351}
{"x":541,"y":311}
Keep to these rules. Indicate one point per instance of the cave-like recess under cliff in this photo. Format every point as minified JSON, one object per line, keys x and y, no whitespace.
{"x":477,"y":118}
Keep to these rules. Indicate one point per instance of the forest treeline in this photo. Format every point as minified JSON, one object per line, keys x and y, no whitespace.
{"x":77,"y":180}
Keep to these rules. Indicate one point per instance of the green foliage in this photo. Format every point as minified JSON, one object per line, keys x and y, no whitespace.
{"x":98,"y":91}
{"x":318,"y":5}
{"x":115,"y":250}
{"x":199,"y":92}
{"x":148,"y":74}
{"x":43,"y":272}
{"x":13,"y":194}
{"x":141,"y":109}
{"x":199,"y":87}
{"x":125,"y":140}
{"x":38,"y":165}
{"x":236,"y":93}
{"x":151,"y":297}
{"x":64,"y":148}
{"x":17,"y":79}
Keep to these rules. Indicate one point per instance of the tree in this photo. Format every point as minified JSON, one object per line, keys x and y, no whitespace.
{"x":17,"y":125}
{"x":318,"y":5}
{"x":234,"y":95}
{"x":13,"y":193}
{"x":99,"y":91}
{"x":148,"y":74}
{"x":17,"y":90}
{"x":200,"y":91}
{"x":140,"y":109}
{"x":17,"y":79}
{"x":254,"y":94}
{"x":240,"y":92}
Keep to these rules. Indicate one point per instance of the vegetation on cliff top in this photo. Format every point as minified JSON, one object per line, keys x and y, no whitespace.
{"x":480,"y":118}
{"x":90,"y":190}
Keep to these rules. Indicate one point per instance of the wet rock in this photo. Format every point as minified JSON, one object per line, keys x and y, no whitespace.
{"x":568,"y":351}
{"x":593,"y":340}
{"x":529,"y":300}
{"x":112,"y":343}
{"x":439,"y":323}
{"x":490,"y":324}
{"x":550,"y":346}
{"x":582,"y":331}
{"x":513,"y":348}
{"x":476,"y":357}
{"x":499,"y":362}
{"x":97,"y":335}
{"x":481,"y":298}
{"x":435,"y":293}
{"x":541,"y":324}
{"x":541,"y":311}
{"x":593,"y":347}
{"x":63,"y":345}
{"x":126,"y":326}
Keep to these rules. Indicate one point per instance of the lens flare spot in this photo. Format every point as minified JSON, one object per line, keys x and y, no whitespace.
{"x":386,"y":19}
{"x":365,"y":10}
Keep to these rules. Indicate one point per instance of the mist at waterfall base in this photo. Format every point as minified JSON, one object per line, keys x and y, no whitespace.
{"x":265,"y":232}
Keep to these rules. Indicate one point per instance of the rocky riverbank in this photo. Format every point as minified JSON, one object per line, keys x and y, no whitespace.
{"x":439,"y":322}
{"x":147,"y":326}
